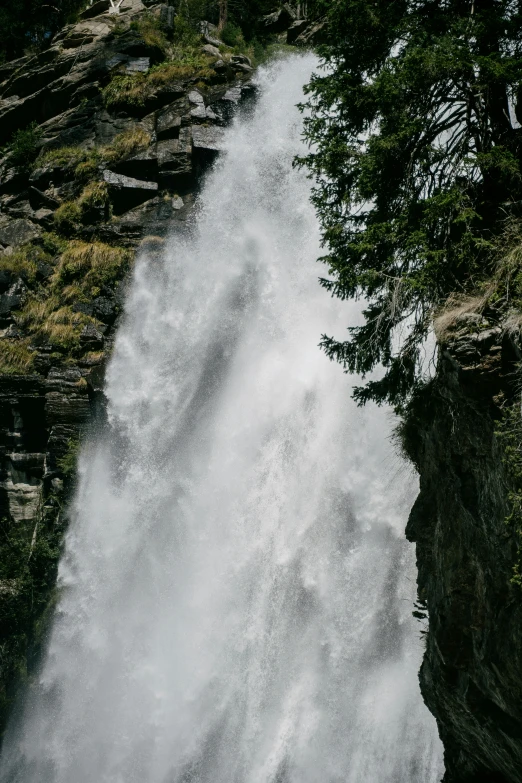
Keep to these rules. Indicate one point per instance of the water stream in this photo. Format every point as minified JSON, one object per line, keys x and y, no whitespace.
{"x":236,"y":591}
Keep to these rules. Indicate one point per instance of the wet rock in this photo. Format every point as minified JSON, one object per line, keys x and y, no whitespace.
{"x":175,"y":158}
{"x":207,"y":138}
{"x":199,"y":112}
{"x":196,"y":97}
{"x":6,"y":279}
{"x":220,"y":67}
{"x":82,"y":307}
{"x":241,"y":59}
{"x":143,"y":166}
{"x":134,"y":46}
{"x":20,"y":209}
{"x":44,"y":217}
{"x":67,"y":399}
{"x":137,"y":65}
{"x":153,"y":217}
{"x":42,"y":177}
{"x":11,"y":180}
{"x":242,"y":68}
{"x":212,"y":116}
{"x":107,"y":126}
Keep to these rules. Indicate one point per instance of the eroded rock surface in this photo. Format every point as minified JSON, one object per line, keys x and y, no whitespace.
{"x":466,"y":551}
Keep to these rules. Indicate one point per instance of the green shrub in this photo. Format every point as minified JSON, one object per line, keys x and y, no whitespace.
{"x":125,"y":144}
{"x":24,"y":147}
{"x":68,"y":217}
{"x":24,"y":262}
{"x":232,"y":35}
{"x":52,"y":243}
{"x":94,"y":201}
{"x":509,"y":435}
{"x":67,"y":463}
{"x":150,"y":30}
{"x":132,"y":90}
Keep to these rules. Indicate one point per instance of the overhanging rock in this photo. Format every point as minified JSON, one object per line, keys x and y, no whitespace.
{"x":127,"y":192}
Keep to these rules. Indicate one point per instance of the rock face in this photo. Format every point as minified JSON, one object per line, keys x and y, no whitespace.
{"x":466,"y":551}
{"x":109,"y":178}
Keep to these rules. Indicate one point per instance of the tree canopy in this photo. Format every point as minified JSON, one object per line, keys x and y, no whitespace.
{"x":31,"y":23}
{"x":415,"y":153}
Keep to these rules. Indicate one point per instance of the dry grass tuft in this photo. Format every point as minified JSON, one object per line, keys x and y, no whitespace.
{"x":90,"y":266}
{"x":453,"y":316}
{"x":126,"y":143}
{"x":15,"y":357}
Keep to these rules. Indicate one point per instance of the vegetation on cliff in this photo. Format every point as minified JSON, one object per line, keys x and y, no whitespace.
{"x":417,"y":166}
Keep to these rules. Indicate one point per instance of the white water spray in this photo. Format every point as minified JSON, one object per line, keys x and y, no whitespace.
{"x":236,"y":592}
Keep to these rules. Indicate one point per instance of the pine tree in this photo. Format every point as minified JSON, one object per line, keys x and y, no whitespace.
{"x":416,"y":157}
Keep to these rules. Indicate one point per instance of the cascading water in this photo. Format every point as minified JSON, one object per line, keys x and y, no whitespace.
{"x":236,"y":591}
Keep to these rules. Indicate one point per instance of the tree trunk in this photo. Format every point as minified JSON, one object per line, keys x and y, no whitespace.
{"x":223,"y":13}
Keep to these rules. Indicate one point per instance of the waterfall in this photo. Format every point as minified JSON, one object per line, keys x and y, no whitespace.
{"x":236,"y":591}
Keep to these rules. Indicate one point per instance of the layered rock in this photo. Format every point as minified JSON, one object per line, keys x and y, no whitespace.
{"x":468,"y":548}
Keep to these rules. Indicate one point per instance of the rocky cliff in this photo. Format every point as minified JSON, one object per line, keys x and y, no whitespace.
{"x":464,"y":523}
{"x":108,"y":132}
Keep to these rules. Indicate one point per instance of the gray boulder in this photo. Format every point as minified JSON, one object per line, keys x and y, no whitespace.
{"x":207,"y":138}
{"x":296,"y":29}
{"x":127,"y":192}
{"x":18,"y":231}
{"x":211,"y":50}
{"x":280,"y":20}
{"x":242,"y":59}
{"x":167,"y":14}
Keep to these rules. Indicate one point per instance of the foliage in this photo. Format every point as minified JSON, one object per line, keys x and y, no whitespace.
{"x":149,"y":29}
{"x":246,"y":14}
{"x":91,"y":266}
{"x":49,"y":320}
{"x":24,"y":262}
{"x":92,"y":205}
{"x":50,"y":315}
{"x":133,"y":90}
{"x":16,"y":358}
{"x":416,"y":163}
{"x":67,"y":217}
{"x":24,"y":146}
{"x":232,"y":35}
{"x":124,"y":144}
{"x":28,"y":565}
{"x":67,"y":463}
{"x":85,"y":163}
{"x":30,"y":24}
{"x":509,"y":435}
